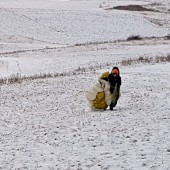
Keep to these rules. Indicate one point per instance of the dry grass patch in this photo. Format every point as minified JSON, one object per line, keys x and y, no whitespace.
{"x":83,"y":70}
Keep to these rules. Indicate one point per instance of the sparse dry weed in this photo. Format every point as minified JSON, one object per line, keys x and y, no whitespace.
{"x":82,"y":70}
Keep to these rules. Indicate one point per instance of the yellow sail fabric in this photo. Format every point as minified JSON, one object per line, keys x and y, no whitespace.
{"x":99,"y":102}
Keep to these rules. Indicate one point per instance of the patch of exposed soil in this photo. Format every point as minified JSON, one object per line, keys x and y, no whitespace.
{"x":133,"y":8}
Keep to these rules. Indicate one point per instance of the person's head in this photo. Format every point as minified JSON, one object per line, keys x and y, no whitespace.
{"x":115,"y":71}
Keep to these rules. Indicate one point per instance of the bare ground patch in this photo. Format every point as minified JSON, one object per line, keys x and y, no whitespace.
{"x":132,"y":8}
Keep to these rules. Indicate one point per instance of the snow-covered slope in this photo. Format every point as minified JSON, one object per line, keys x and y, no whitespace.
{"x":25,"y":27}
{"x":69,"y":59}
{"x":46,"y":123}
{"x":61,"y":26}
{"x":72,"y":27}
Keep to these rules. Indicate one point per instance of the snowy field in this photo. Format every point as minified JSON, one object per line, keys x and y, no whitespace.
{"x":46,"y":123}
{"x":36,"y":40}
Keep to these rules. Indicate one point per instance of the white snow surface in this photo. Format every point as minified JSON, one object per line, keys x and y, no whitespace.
{"x":29,"y":29}
{"x":45,"y":124}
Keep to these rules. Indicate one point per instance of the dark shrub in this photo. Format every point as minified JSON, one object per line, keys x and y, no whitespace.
{"x":134,"y":37}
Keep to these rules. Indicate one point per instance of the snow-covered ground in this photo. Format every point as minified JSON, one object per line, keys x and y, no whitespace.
{"x":46,"y":123}
{"x":68,"y":59}
{"x":28,"y":29}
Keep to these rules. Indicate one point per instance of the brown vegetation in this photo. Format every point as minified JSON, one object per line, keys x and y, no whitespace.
{"x":82,"y":70}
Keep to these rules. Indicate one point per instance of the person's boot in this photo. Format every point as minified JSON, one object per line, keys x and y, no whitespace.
{"x":111,"y":108}
{"x":112,"y":105}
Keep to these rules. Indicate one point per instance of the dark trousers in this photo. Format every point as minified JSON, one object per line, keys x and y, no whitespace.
{"x":112,"y":105}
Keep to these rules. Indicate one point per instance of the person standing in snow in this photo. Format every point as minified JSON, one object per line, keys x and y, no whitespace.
{"x":114,"y":80}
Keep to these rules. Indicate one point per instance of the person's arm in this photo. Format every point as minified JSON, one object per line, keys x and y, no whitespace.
{"x":120,"y":82}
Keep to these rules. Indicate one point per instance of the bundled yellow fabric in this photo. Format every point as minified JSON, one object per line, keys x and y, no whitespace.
{"x":99,"y":102}
{"x":104,"y":75}
{"x":99,"y":96}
